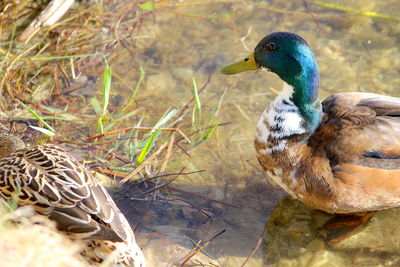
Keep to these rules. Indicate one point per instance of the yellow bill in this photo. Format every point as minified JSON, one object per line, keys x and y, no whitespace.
{"x":246,"y":64}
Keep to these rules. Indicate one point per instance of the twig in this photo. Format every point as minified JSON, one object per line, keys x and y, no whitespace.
{"x":202,"y":247}
{"x":256,"y":247}
{"x":307,"y":7}
{"x":49,"y":16}
{"x":192,"y":205}
{"x":138,"y":128}
{"x":170,"y":174}
{"x":168,"y":154}
{"x":203,"y":197}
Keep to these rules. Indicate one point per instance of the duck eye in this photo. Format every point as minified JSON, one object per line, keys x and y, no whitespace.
{"x":271,"y":46}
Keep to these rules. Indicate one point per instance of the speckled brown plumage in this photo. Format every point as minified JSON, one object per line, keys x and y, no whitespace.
{"x":57,"y":186}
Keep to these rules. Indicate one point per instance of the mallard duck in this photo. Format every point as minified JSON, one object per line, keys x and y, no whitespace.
{"x":338,"y":156}
{"x":57,"y":186}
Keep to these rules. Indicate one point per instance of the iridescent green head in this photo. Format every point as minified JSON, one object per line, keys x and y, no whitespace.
{"x":289,"y":56}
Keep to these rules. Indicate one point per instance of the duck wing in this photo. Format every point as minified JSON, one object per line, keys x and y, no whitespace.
{"x":58,"y":186}
{"x":360,"y":136}
{"x":360,"y":125}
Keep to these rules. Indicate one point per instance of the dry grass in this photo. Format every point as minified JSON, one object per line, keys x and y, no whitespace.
{"x":44,"y":68}
{"x":48,"y":70}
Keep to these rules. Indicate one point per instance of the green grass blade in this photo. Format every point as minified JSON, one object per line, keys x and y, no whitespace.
{"x":220,"y":101}
{"x":194,"y":119}
{"x":43,"y":130}
{"x":155,"y":134}
{"x":37,"y":116}
{"x":197,"y":106}
{"x":356,"y":11}
{"x":138,"y":84}
{"x":106,"y":87}
{"x":100,"y":126}
{"x":210,"y":131}
{"x":196,"y":94}
{"x":107,"y":77}
{"x":206,"y":135}
{"x":96,"y":105}
{"x":51,"y":57}
{"x":147,"y":147}
{"x":51,"y":118}
{"x":62,"y":57}
{"x":166,"y":117}
{"x":123,"y":117}
{"x":62,"y":113}
{"x":148,"y":6}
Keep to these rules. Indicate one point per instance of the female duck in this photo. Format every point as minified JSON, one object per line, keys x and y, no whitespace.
{"x":57,"y":186}
{"x":339,"y":155}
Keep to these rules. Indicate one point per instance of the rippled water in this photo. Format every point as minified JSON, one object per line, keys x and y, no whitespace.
{"x":354,"y":52}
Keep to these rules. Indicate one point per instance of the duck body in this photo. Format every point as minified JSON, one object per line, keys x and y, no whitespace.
{"x":57,"y":186}
{"x":339,"y":156}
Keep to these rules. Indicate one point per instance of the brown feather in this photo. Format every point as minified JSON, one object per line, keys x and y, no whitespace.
{"x":350,"y":163}
{"x":356,"y":123}
{"x":367,"y":187}
{"x":59,"y":187}
{"x":68,"y":190}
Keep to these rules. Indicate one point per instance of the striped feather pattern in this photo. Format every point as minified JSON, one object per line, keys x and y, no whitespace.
{"x":56,"y":185}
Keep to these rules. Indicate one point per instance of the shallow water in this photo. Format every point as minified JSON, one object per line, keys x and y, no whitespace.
{"x":354,"y":52}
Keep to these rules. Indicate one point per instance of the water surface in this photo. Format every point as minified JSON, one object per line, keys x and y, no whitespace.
{"x":354,"y":52}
